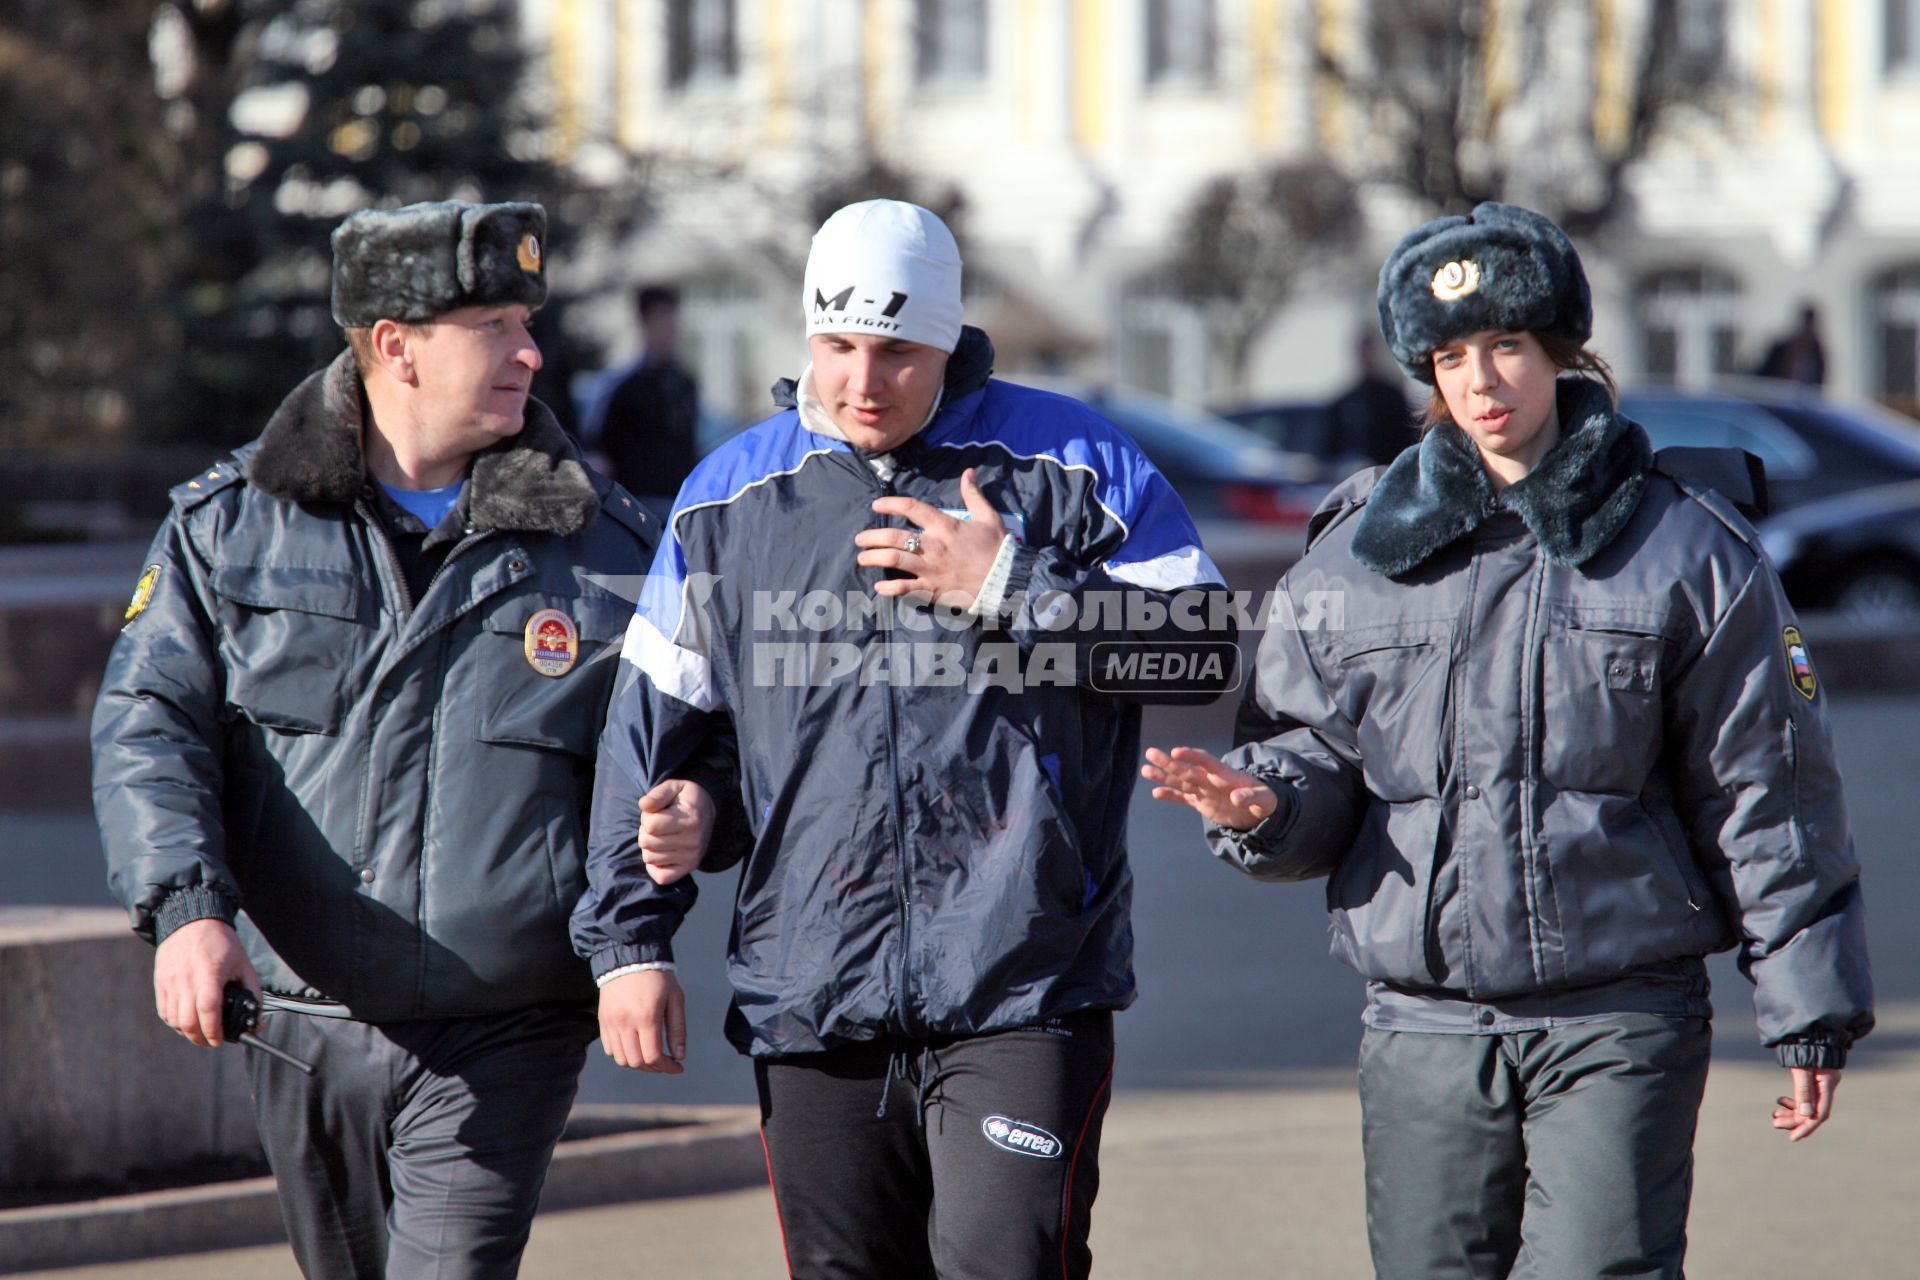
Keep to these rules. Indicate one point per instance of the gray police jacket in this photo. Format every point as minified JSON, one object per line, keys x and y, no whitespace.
{"x":1551,"y":736}
{"x":390,"y":790}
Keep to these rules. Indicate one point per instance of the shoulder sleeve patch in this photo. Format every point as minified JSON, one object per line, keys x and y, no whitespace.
{"x":143,"y":591}
{"x":1800,"y":664}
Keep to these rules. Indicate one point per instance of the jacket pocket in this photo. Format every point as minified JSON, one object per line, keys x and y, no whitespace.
{"x":520,"y":705}
{"x":288,"y":638}
{"x":1392,"y":683}
{"x":1601,"y":695}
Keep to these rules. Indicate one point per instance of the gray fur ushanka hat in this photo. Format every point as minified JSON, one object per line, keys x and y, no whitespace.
{"x":415,"y":263}
{"x":1500,"y":267}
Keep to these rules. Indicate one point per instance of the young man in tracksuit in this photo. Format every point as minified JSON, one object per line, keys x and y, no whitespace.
{"x":932,"y":927}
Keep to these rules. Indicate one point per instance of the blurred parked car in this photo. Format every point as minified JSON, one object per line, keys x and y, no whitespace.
{"x":1220,"y":470}
{"x":1842,"y":536}
{"x":1813,"y":447}
{"x":1857,"y":554}
{"x":1307,"y":429}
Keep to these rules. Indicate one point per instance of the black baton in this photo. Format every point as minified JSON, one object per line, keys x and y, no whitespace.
{"x":240,"y":1014}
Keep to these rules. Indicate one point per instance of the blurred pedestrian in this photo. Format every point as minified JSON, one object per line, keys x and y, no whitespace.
{"x":1371,"y":418}
{"x":553,"y":381}
{"x":344,"y":749}
{"x":932,"y":930}
{"x":1799,"y":356}
{"x":1568,"y":743}
{"x":646,"y":421}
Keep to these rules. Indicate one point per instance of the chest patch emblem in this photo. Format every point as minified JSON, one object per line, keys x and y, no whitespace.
{"x":1800,"y":664}
{"x":1021,"y":1138}
{"x":143,"y":592}
{"x":553,"y":642}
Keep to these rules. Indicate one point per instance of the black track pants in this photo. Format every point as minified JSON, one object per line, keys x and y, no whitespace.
{"x":948,"y":1158}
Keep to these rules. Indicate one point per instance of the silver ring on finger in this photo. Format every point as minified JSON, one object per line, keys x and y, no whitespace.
{"x":912,"y":545}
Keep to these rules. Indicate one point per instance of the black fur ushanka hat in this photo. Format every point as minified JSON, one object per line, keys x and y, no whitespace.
{"x":415,"y":263}
{"x":1500,"y":267}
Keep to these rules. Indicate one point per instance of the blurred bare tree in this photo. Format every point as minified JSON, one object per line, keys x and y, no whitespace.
{"x":1247,"y":240}
{"x":171,"y":170}
{"x":1536,"y":102}
{"x":89,"y":237}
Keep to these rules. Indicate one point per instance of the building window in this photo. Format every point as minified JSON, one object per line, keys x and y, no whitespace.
{"x":1182,"y":41}
{"x":949,"y":42}
{"x":1689,"y":324}
{"x":721,"y":315}
{"x":1896,"y":314}
{"x":1160,"y":345}
{"x":1900,"y":36}
{"x":702,"y":42}
{"x":1701,"y":32}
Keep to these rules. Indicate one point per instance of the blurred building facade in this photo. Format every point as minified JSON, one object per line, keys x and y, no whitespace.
{"x":1076,"y":132}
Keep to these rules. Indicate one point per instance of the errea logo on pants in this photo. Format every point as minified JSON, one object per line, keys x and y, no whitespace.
{"x":1021,"y":1139}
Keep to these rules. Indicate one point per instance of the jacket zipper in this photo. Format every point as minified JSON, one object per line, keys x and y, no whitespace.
{"x":402,"y":591}
{"x":1533,"y":720}
{"x":908,"y":1021}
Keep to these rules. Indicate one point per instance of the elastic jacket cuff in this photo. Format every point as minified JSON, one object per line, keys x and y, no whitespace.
{"x":625,"y":955}
{"x":651,"y":966}
{"x":990,"y":600}
{"x":195,"y":902}
{"x":1812,"y":1052}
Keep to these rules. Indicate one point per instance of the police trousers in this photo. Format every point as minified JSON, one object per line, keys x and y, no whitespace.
{"x":972,"y":1158}
{"x":1537,"y":1154}
{"x":417,"y":1149}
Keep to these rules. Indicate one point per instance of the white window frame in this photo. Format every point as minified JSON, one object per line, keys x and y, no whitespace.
{"x":941,"y":69}
{"x":1900,"y":63}
{"x":714,"y":39}
{"x":1198,"y":21}
{"x":1896,"y":300}
{"x":1695,"y":312}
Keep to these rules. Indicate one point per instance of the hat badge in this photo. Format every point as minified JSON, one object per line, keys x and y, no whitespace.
{"x":1456,"y":279}
{"x":529,"y":252}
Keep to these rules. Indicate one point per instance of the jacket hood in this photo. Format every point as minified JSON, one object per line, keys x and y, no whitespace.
{"x":1575,"y":501}
{"x":311,"y":452}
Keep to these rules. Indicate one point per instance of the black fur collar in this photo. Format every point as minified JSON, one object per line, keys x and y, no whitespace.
{"x":311,"y":452}
{"x":1579,"y":497}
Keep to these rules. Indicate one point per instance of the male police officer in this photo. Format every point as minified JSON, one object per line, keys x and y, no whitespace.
{"x":345,"y":748}
{"x":932,"y":929}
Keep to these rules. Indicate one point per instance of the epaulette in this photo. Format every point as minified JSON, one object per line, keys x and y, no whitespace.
{"x":1347,"y":497}
{"x":630,"y":512}
{"x":223,"y":474}
{"x":1731,"y":483}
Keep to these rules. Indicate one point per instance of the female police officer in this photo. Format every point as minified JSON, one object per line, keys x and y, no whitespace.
{"x":1568,"y":743}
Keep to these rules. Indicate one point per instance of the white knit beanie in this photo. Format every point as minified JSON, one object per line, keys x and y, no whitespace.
{"x":884,"y":267}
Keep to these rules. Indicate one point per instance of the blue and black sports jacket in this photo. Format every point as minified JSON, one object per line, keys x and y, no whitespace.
{"x":937,"y":803}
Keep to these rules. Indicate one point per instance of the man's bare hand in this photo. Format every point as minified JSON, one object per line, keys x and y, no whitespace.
{"x":191,"y":970}
{"x":643,"y":1021}
{"x":947,"y":560}
{"x":1222,"y":795}
{"x":676,"y":821}
{"x":1811,"y":1103}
